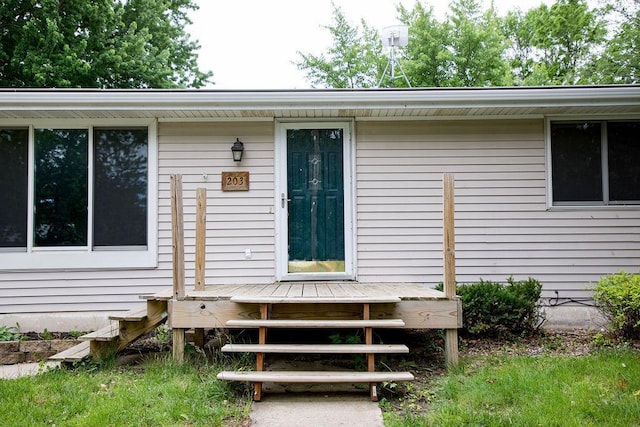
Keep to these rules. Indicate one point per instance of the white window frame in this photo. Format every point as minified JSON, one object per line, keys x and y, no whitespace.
{"x":281,"y":237}
{"x":87,"y":257}
{"x":605,"y":203}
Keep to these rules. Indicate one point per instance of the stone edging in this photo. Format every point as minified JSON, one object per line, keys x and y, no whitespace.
{"x":12,"y":352}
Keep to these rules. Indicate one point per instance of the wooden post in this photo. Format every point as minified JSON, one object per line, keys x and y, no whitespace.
{"x":262,"y":339}
{"x":177,"y":234}
{"x":201,"y":232}
{"x":449,"y":258}
{"x":371,"y":359}
{"x":201,"y":247}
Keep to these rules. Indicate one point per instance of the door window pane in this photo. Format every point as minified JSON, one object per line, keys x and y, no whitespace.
{"x":60,"y":217}
{"x":316,"y":207}
{"x":623,"y":140}
{"x":576,"y":162}
{"x":14,"y":172}
{"x":120,"y":187}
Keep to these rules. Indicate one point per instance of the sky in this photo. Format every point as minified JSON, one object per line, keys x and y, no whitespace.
{"x":252,"y":44}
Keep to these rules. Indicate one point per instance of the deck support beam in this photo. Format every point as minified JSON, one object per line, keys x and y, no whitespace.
{"x":449,"y":258}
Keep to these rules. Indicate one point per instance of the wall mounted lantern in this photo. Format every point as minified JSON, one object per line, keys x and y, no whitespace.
{"x":237,"y":149}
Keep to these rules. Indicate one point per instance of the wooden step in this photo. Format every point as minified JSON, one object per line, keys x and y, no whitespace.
{"x":132,"y":315}
{"x":315,"y":348}
{"x":327,"y":324}
{"x":108,"y":333}
{"x":257,"y":299}
{"x":314,"y":376}
{"x":164,"y":295}
{"x":73,"y":354}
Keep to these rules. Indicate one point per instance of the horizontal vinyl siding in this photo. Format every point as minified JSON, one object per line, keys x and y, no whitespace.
{"x":502,"y":225}
{"x":235,"y":220}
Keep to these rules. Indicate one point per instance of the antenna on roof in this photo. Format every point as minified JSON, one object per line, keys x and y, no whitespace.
{"x":393,"y":37}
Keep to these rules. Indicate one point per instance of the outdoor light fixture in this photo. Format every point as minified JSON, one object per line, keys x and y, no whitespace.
{"x":237,"y":149}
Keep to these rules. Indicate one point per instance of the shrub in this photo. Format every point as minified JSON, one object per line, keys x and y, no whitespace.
{"x":501,"y":310}
{"x":618,"y":298}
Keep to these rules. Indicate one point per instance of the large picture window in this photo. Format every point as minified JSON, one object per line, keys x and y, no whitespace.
{"x":73,"y":189}
{"x":595,"y":163}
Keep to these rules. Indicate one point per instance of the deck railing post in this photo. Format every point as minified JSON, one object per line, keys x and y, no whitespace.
{"x":449,"y":258}
{"x":177,"y":234}
{"x":201,"y":237}
{"x":201,"y":247}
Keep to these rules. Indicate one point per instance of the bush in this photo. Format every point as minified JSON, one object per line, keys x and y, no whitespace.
{"x":618,"y":298}
{"x":498,"y":310}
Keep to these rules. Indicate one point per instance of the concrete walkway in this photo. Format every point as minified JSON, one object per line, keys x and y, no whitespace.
{"x":24,"y":369}
{"x":318,"y":410}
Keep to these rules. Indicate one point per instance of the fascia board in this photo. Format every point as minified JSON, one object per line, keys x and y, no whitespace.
{"x":163,"y":100}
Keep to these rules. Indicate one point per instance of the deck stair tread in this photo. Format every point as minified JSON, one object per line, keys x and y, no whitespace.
{"x":314,"y":376}
{"x":132,"y":315}
{"x":270,"y":299}
{"x":163,"y":295}
{"x":107,"y":333}
{"x":316,"y":348}
{"x":303,"y":323}
{"x":72,"y":354}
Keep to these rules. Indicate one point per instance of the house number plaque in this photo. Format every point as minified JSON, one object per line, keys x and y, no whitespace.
{"x":235,"y":181}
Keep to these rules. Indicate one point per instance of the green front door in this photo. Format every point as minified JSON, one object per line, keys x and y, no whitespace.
{"x":315,"y":189}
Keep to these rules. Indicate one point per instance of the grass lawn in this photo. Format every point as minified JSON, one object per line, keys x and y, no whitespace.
{"x":517,"y":384}
{"x":600,"y":389}
{"x":157,"y":393}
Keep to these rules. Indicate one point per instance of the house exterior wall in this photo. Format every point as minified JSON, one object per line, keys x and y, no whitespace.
{"x":503,"y":224}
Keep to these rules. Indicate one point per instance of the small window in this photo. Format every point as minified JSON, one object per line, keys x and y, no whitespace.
{"x":14,"y":176}
{"x":576,"y":162}
{"x":624,"y":162}
{"x":595,"y":163}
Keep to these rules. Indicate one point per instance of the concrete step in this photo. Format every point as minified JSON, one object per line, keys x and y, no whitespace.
{"x":316,"y":348}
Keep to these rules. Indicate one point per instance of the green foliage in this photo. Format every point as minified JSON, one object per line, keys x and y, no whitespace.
{"x":553,"y":44}
{"x":46,"y":335}
{"x":618,"y":297}
{"x":501,"y":310}
{"x":102,"y":43}
{"x":354,"y":60}
{"x":9,"y":333}
{"x":600,"y":389}
{"x":619,"y":63}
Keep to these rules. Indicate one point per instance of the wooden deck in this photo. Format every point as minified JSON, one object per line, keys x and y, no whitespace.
{"x":290,"y":292}
{"x":419,"y":306}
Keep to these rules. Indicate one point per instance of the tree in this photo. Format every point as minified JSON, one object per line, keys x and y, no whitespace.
{"x":620,"y":62}
{"x":355,"y":59}
{"x":563,"y":37}
{"x":426,"y":54}
{"x":476,"y":47}
{"x":520,"y":54}
{"x":102,"y":43}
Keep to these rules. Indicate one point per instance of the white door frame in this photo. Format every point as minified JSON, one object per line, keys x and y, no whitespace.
{"x":281,"y":208}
